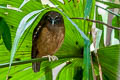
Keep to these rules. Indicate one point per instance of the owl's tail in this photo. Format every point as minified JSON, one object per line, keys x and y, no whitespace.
{"x":36,"y":66}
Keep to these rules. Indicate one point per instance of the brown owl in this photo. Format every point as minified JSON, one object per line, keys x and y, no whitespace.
{"x":47,"y":37}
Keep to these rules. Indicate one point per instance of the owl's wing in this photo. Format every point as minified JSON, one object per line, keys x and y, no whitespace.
{"x":35,"y":35}
{"x":36,"y":32}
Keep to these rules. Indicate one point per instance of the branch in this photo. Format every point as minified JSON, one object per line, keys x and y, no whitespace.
{"x":100,"y":22}
{"x":37,"y":60}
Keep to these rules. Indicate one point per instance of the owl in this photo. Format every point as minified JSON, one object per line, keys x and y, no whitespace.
{"x":47,"y":37}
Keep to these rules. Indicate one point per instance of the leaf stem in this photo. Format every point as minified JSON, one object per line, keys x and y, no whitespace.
{"x":37,"y":59}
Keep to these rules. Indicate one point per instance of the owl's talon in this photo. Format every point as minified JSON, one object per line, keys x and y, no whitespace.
{"x":54,"y":58}
{"x":51,"y":58}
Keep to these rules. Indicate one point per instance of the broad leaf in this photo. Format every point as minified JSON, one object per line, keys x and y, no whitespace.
{"x":87,"y":8}
{"x":109,"y":59}
{"x":24,"y":24}
{"x":71,"y":71}
{"x":5,"y":32}
{"x":115,"y":22}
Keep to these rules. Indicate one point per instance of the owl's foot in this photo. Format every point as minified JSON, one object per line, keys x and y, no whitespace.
{"x":51,"y":58}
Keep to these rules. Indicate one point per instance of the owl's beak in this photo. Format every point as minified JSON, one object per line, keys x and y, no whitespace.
{"x":53,"y":22}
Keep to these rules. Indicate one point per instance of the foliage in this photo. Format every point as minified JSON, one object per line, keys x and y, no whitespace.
{"x":5,"y":32}
{"x":21,"y":18}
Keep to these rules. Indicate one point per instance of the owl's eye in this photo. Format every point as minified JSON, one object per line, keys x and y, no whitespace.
{"x":49,"y":18}
{"x":57,"y":18}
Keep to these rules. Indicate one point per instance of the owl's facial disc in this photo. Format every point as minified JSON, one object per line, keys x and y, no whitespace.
{"x":53,"y":20}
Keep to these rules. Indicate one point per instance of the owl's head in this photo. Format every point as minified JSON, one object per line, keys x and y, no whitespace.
{"x":53,"y":17}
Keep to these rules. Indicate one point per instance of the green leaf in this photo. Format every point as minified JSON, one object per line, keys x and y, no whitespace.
{"x":23,"y":68}
{"x":5,"y":32}
{"x":7,"y":6}
{"x":87,"y":8}
{"x":24,"y":24}
{"x":100,"y":31}
{"x":24,"y":2}
{"x":109,"y":58}
{"x":71,"y":71}
{"x":48,"y":73}
{"x":73,"y":43}
{"x":87,"y":64}
{"x":110,"y":4}
{"x":115,"y":22}
{"x":3,"y":6}
{"x":86,"y":50}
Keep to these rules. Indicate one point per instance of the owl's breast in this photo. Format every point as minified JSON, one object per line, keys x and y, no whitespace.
{"x":49,"y":42}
